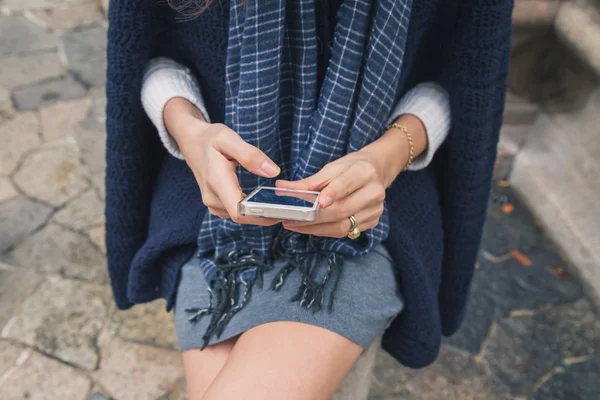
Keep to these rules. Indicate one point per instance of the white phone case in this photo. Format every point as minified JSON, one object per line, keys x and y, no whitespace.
{"x":279,"y":211}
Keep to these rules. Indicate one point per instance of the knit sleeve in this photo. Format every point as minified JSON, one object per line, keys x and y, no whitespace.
{"x":429,"y":102}
{"x":163,"y":80}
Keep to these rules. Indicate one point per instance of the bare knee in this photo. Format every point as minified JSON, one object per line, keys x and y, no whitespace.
{"x":285,"y":359}
{"x":202,"y":366}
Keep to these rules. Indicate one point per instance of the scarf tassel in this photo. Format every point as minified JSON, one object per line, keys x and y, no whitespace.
{"x":229,"y":292}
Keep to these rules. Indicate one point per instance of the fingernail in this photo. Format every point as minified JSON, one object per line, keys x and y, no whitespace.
{"x":269,"y":168}
{"x":325,"y":200}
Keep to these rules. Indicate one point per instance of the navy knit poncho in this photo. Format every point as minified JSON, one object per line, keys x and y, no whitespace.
{"x":153,"y":204}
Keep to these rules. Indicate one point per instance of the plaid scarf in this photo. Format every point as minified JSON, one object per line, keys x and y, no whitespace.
{"x":273,"y":102}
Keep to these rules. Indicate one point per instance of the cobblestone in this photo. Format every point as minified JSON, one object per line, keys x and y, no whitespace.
{"x":7,"y":190}
{"x":52,"y":174}
{"x":148,"y":324}
{"x":62,"y":119}
{"x":19,"y":218}
{"x":24,"y":70}
{"x":33,"y":376}
{"x":523,"y":349}
{"x":48,"y":92}
{"x":63,"y":318}
{"x":19,"y":135}
{"x":456,"y":376}
{"x":19,"y":35}
{"x":580,"y":381}
{"x":86,"y":51}
{"x":91,"y":134}
{"x":151,"y":372}
{"x":15,"y":288}
{"x":57,"y":250}
{"x":83,"y":212}
{"x":69,"y":17}
{"x":6,"y":107}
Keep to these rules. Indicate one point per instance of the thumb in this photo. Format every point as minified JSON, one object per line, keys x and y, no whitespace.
{"x":314,"y":182}
{"x":250,"y":157}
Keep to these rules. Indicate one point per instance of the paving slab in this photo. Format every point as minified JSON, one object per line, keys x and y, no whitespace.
{"x":147,"y":324}
{"x":97,"y":236}
{"x":523,"y":349}
{"x":580,"y":381}
{"x":456,"y":375}
{"x":52,"y":174}
{"x":15,"y":287}
{"x":36,"y":377}
{"x":91,"y":134}
{"x":56,"y":250}
{"x":22,"y":5}
{"x":19,"y":135}
{"x":7,"y":190}
{"x":48,"y":92}
{"x":23,"y":70}
{"x":61,"y":119}
{"x":389,"y":377}
{"x":19,"y":35}
{"x":19,"y":217}
{"x":70,"y":16}
{"x":63,"y":318}
{"x":502,"y":283}
{"x":85,"y":50}
{"x":83,"y":212}
{"x":151,"y":372}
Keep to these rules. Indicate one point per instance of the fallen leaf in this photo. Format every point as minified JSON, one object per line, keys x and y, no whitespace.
{"x":522,"y":258}
{"x":502,"y":183}
{"x":521,"y":368}
{"x":558,"y":271}
{"x":508,"y":208}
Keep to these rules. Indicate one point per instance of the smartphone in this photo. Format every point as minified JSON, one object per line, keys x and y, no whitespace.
{"x":288,"y":204}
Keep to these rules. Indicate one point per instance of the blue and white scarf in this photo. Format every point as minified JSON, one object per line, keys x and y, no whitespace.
{"x":274,"y":103}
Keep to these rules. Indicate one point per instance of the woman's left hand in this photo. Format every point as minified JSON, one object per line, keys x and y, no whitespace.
{"x":352,"y":185}
{"x":355,"y":184}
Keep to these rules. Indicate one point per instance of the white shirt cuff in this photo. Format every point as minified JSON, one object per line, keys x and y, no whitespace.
{"x":430,"y":103}
{"x":163,"y":80}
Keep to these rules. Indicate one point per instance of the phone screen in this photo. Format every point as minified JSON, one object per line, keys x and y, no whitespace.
{"x":283,"y":197}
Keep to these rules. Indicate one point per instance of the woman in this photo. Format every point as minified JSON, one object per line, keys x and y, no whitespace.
{"x":324,"y":95}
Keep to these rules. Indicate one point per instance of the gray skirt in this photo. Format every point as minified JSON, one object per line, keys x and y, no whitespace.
{"x":367,"y":299}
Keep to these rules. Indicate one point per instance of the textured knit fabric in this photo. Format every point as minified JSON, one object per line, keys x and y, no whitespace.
{"x":361,"y":313}
{"x":165,"y":79}
{"x":154,"y":207}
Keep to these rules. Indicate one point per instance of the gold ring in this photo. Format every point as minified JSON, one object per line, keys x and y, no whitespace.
{"x":354,"y":232}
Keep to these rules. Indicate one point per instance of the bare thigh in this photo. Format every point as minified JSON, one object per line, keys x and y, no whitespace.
{"x":285,"y":360}
{"x":201,"y":367}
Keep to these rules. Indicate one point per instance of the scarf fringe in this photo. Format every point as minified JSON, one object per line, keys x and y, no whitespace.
{"x":224,"y":289}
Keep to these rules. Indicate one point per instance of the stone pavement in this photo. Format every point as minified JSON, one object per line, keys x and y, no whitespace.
{"x":530,"y":331}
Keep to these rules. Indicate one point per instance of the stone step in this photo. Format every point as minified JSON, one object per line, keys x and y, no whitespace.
{"x":519,"y":111}
{"x":557,"y":174}
{"x":534,"y":13}
{"x":577,"y":23}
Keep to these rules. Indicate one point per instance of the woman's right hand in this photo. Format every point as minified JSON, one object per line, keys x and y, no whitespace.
{"x":213,"y":152}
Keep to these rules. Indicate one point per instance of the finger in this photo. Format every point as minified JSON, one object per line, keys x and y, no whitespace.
{"x":250,"y":157}
{"x":249,"y":220}
{"x":344,"y":184}
{"x":228,"y":190}
{"x":313,"y":182}
{"x":338,"y":229}
{"x":218,"y":212}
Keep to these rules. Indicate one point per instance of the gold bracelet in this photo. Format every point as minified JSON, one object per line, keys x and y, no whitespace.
{"x":411,"y":144}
